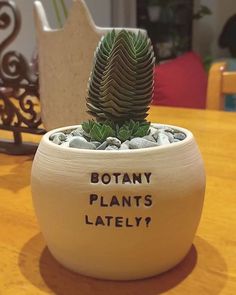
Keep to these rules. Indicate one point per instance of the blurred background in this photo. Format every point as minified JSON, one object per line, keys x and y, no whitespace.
{"x":188,"y":37}
{"x":176,"y":25}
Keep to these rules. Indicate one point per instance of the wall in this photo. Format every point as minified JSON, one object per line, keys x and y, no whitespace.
{"x":124,"y":13}
{"x":208,"y":29}
{"x":101,"y":11}
{"x":25,"y":42}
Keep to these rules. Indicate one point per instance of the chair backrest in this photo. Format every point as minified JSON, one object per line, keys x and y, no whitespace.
{"x":220,"y":83}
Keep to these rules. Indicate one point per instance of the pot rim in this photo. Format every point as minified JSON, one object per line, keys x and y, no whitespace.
{"x":45,"y":139}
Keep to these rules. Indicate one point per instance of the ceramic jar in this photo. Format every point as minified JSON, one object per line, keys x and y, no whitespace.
{"x":118,"y":214}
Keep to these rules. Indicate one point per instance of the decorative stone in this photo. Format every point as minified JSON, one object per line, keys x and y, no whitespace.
{"x":170,"y":136}
{"x":69,"y":137}
{"x":155,"y":135}
{"x":86,"y":135}
{"x":158,"y":135}
{"x":57,"y":140}
{"x":113,"y":141}
{"x":65,"y":144}
{"x":162,"y":127}
{"x":125,"y":145}
{"x":152,"y":130}
{"x":59,"y":135}
{"x":152,"y":135}
{"x":170,"y":130}
{"x":96,"y":143}
{"x":163,"y":139}
{"x":81,"y":143}
{"x":149,"y":138}
{"x":112,"y":148}
{"x":77,"y":132}
{"x":102,"y":146}
{"x":179,"y":135}
{"x":138,"y":143}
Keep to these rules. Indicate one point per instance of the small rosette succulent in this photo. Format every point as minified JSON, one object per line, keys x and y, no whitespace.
{"x":121,"y":83}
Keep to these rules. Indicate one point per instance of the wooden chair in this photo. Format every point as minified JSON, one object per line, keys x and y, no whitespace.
{"x":220,"y":83}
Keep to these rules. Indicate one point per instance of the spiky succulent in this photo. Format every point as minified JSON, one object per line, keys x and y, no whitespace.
{"x":121,"y":83}
{"x":100,"y":131}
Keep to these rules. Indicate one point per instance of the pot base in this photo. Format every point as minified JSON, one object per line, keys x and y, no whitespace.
{"x":122,"y":276}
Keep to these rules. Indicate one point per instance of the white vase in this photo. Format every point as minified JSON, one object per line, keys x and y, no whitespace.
{"x":133,"y":224}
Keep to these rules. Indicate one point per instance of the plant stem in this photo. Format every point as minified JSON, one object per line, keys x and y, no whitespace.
{"x":64,"y":8}
{"x":59,"y":21}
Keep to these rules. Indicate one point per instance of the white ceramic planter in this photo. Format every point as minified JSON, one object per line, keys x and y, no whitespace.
{"x":118,"y":214}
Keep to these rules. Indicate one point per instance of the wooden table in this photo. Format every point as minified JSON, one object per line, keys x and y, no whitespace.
{"x":26,"y":266}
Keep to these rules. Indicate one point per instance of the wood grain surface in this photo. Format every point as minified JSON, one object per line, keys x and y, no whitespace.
{"x":27,"y":267}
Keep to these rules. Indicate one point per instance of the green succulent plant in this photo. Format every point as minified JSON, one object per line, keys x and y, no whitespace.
{"x":100,"y":131}
{"x":120,"y":87}
{"x":95,"y":131}
{"x":121,"y":82}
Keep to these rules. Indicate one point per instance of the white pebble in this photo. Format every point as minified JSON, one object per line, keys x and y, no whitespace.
{"x":112,"y":148}
{"x":162,"y":139}
{"x":65,"y":143}
{"x":138,"y":143}
{"x":81,"y":143}
{"x":170,"y":136}
{"x":77,"y":132}
{"x":57,"y":140}
{"x":180,"y":136}
{"x":59,"y":135}
{"x":125,"y":145}
{"x":113,"y":141}
{"x":96,"y":143}
{"x":102,"y":146}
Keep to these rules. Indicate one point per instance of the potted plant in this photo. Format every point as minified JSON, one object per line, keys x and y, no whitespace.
{"x":119,"y":198}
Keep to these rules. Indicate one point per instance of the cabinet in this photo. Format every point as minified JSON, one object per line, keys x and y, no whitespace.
{"x":169,"y":25}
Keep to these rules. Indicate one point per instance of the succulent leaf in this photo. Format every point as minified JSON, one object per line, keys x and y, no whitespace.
{"x":121,"y":82}
{"x":124,"y":134}
{"x":100,"y":132}
{"x":142,"y":131}
{"x":95,"y":131}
